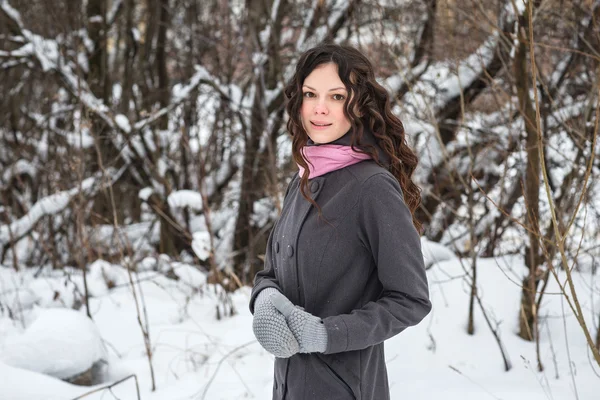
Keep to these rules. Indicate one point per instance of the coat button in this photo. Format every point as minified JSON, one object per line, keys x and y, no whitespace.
{"x":314,"y":186}
{"x":276,"y":247}
{"x":290,"y":251}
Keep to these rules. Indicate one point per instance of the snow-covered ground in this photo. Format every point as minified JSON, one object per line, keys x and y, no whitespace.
{"x":197,"y":356}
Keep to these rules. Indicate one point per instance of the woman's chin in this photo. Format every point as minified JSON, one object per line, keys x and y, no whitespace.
{"x":323,"y":138}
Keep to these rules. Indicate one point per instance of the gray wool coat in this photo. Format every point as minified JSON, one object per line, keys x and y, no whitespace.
{"x":361,"y":271}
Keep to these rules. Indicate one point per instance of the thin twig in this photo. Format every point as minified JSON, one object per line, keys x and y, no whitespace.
{"x":212,"y":378}
{"x":110,"y":386}
{"x":472,"y":381}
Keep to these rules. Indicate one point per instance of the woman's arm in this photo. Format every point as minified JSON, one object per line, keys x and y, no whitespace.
{"x":386,"y":229}
{"x":267,"y":277}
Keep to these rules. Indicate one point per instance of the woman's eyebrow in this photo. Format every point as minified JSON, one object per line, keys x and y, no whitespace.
{"x":330,"y":90}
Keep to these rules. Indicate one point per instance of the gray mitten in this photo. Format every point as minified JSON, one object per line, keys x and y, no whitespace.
{"x":308,"y":330}
{"x":270,"y":327}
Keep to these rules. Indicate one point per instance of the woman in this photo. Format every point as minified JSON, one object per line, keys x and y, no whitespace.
{"x":343,"y":267}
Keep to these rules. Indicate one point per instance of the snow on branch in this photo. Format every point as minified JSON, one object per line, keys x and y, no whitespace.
{"x":340,"y":9}
{"x":213,"y":184}
{"x":185,"y":198}
{"x":265,"y":34}
{"x":11,"y":12}
{"x":82,"y":139}
{"x":46,"y":52}
{"x":308,"y":21}
{"x":49,"y":205}
{"x":19,"y":168}
{"x":13,"y":63}
{"x":444,"y":81}
{"x":22,"y":52}
{"x":48,"y":56}
{"x":182,"y":93}
{"x":114,"y":12}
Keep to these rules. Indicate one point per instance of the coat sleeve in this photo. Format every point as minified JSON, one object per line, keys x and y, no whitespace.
{"x":385,"y":228}
{"x":267,"y":277}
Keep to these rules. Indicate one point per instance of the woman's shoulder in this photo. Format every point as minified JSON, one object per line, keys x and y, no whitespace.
{"x":365,"y":170}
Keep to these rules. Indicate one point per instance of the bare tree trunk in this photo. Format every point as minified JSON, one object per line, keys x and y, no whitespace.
{"x":189,"y":119}
{"x":98,"y":81}
{"x":171,"y":238}
{"x":528,"y":313}
{"x":252,"y":184}
{"x":249,"y":193}
{"x":129,"y":55}
{"x":146,"y":79}
{"x":96,"y":20}
{"x":164,"y":94}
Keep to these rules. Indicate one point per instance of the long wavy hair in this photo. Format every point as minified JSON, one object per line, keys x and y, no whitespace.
{"x":367,"y":107}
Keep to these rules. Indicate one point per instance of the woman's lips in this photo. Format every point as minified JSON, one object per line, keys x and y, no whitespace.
{"x":320,"y":126}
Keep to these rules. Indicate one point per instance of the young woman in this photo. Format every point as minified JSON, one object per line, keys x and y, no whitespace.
{"x":343,"y":267}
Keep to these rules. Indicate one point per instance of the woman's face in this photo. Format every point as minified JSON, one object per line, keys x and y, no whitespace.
{"x":323,"y":98}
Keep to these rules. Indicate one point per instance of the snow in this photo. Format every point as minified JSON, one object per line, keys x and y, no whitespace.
{"x":444,"y":80}
{"x":185,"y":198}
{"x":307,"y":20}
{"x":139,"y":236}
{"x":123,"y":123}
{"x":24,"y":51}
{"x":136,"y":34}
{"x":265,"y":34}
{"x":224,"y":246}
{"x":10,"y":11}
{"x":182,"y":92}
{"x":19,"y":168}
{"x":60,"y":342}
{"x":112,"y":13}
{"x":196,"y":355}
{"x":434,"y":252}
{"x":201,"y":245}
{"x":145,"y":193}
{"x":35,"y":386}
{"x":263,"y":211}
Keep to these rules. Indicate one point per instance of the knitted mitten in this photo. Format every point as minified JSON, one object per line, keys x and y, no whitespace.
{"x":270,"y":327}
{"x":308,"y":330}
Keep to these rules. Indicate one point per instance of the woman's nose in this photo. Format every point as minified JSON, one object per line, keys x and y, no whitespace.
{"x":321,"y":108}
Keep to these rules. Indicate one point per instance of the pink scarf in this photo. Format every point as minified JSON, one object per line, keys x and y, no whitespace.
{"x":329,"y":157}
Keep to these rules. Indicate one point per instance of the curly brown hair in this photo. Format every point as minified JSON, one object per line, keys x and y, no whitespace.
{"x":368,"y":106}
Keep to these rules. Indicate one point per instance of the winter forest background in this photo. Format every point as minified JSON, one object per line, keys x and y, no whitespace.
{"x":144,"y":156}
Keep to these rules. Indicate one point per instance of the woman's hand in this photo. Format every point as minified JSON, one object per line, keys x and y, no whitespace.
{"x":308,"y":330}
{"x":270,"y":327}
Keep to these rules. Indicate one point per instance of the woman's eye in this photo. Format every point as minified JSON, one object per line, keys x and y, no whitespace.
{"x":338,"y":97}
{"x":308,"y":94}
